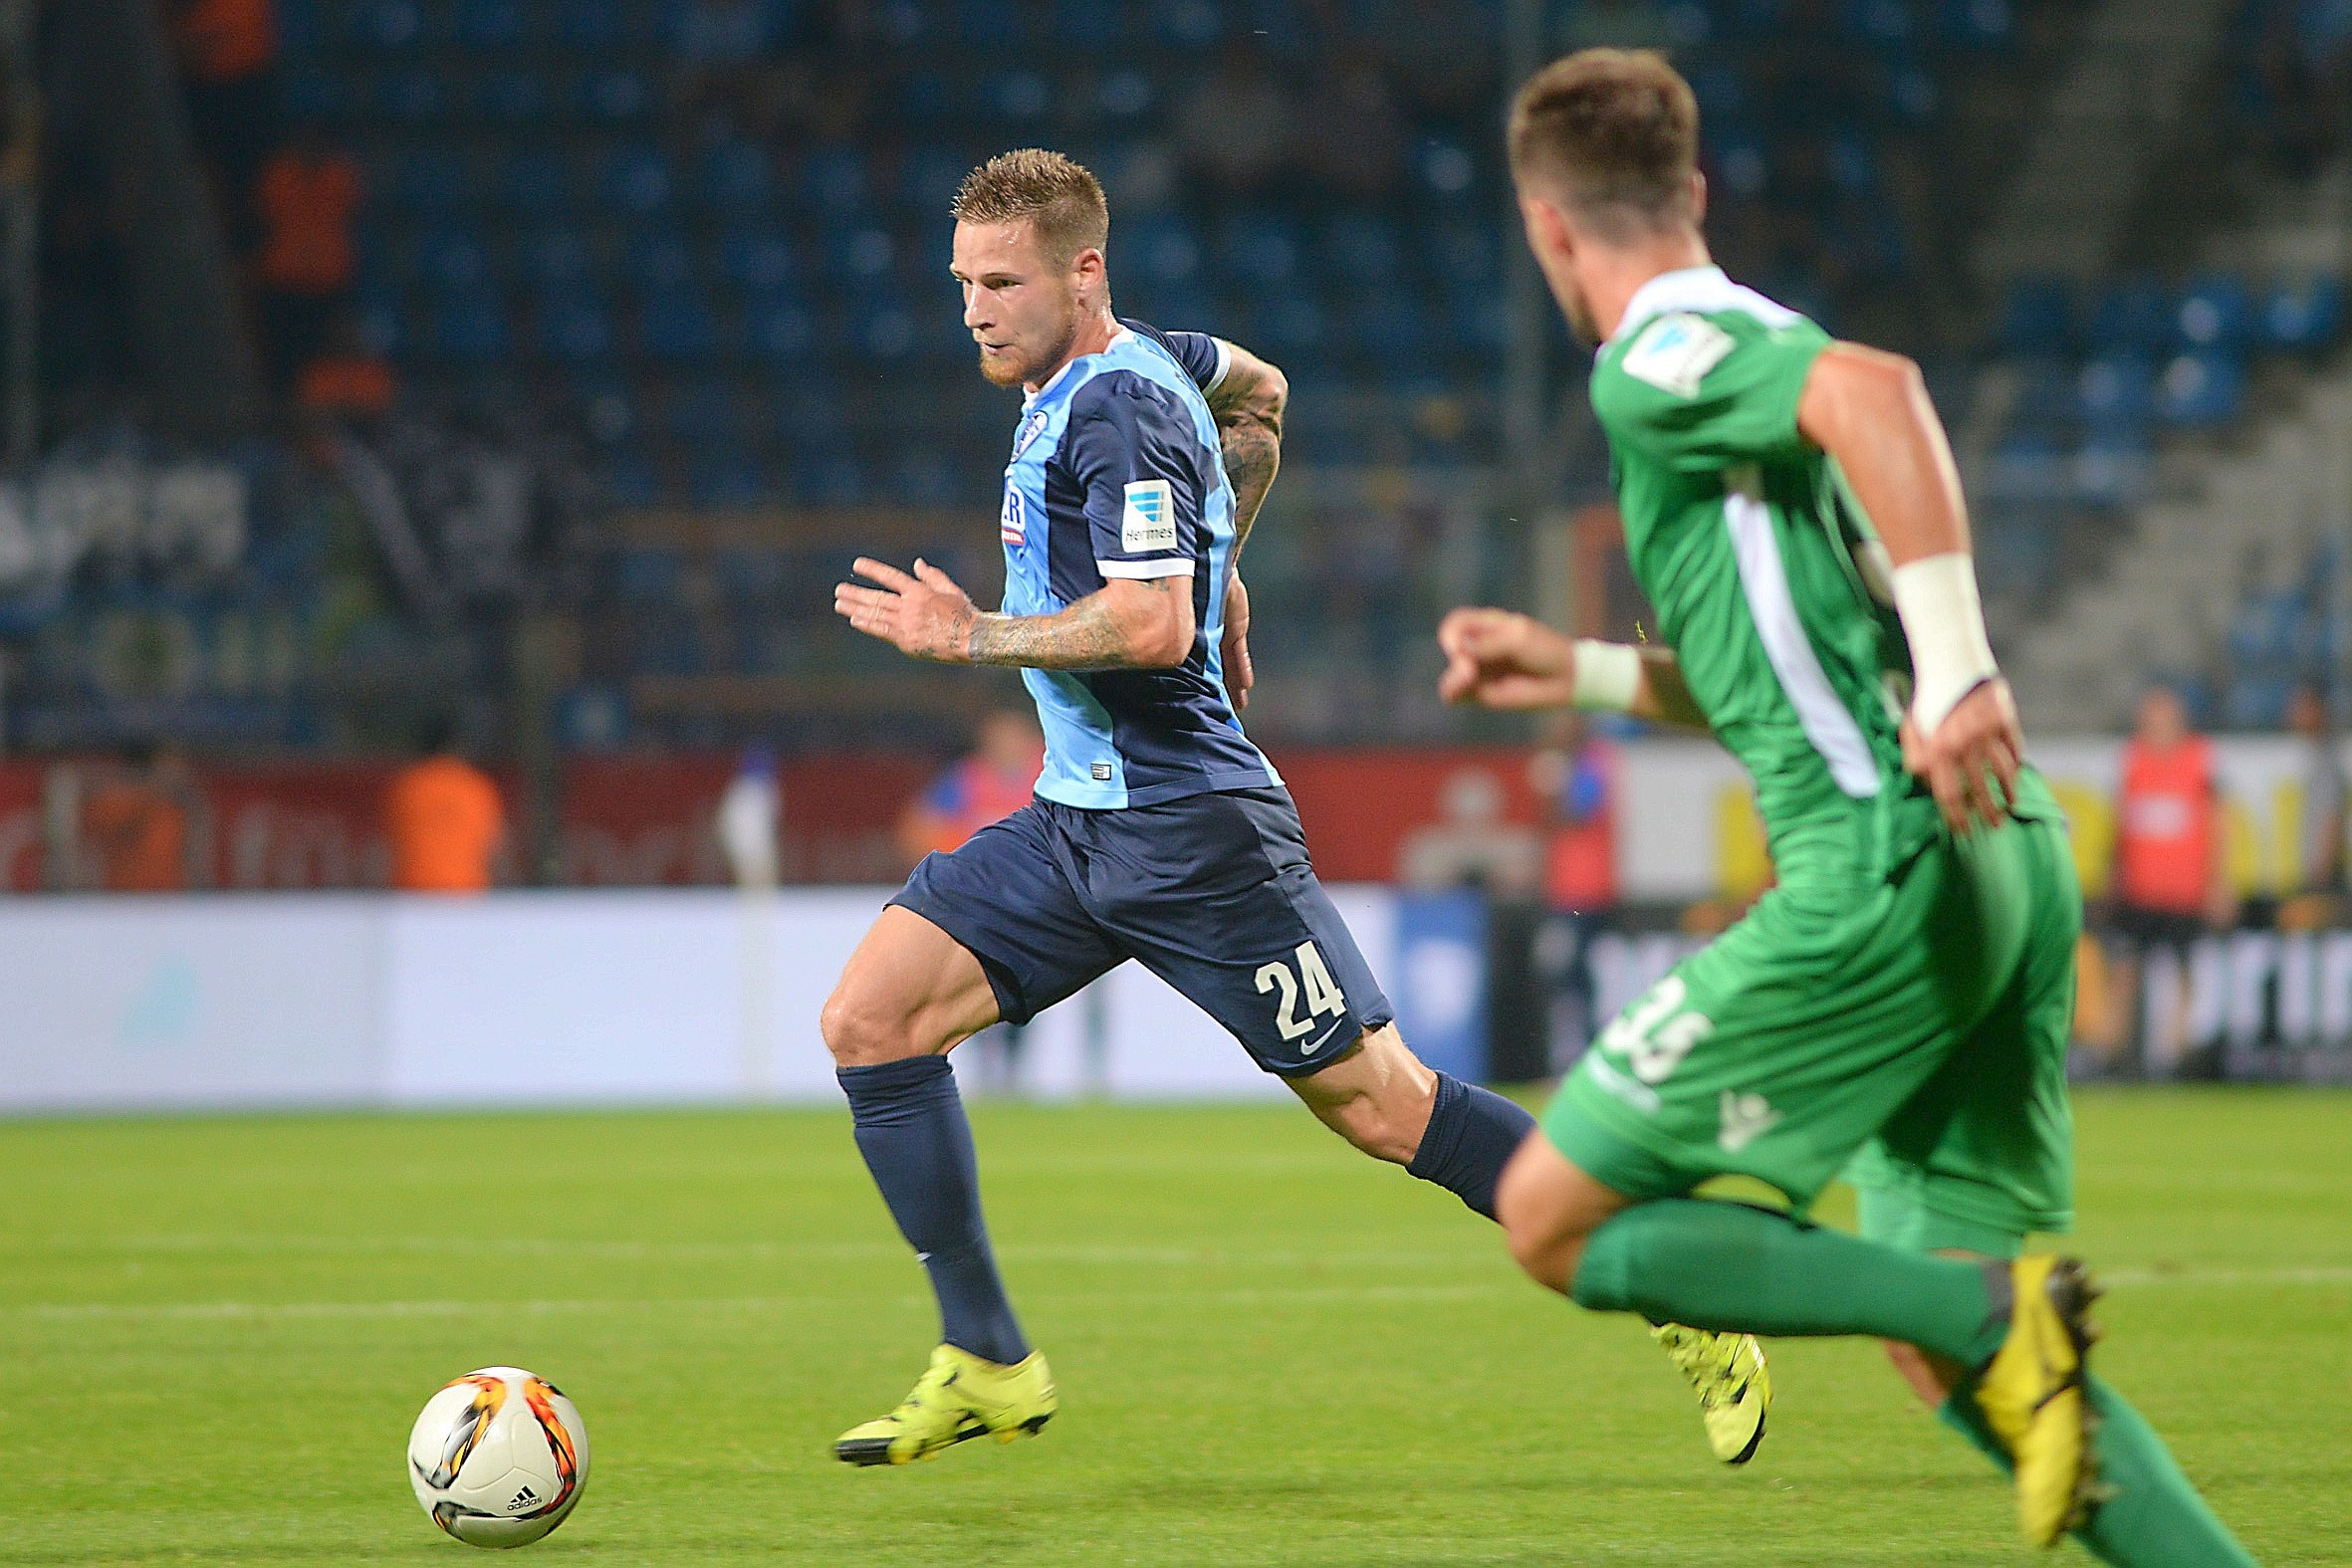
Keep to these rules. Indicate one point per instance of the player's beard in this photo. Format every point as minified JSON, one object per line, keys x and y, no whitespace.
{"x":1001,"y":370}
{"x":1579,"y":310}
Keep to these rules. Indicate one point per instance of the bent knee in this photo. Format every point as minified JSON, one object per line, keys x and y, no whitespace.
{"x":1929,"y":1377}
{"x":860,"y":1033}
{"x":1389,"y":1132}
{"x":1545,"y":1237}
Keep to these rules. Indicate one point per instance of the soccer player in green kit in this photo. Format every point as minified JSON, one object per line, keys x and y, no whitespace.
{"x":1896,"y":1008}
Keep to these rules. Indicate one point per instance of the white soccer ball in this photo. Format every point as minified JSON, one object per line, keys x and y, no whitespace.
{"x":497,"y":1458}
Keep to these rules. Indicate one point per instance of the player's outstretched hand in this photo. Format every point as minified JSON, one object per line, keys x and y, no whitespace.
{"x":924,"y":614}
{"x":1234,"y":651}
{"x":1502,"y":659}
{"x":1972,"y":760}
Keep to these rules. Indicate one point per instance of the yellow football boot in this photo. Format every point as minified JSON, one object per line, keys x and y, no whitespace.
{"x":958,"y":1398}
{"x":1735,"y":1387}
{"x":2031,"y":1393}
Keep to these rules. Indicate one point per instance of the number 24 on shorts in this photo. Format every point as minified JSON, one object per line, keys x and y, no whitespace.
{"x":1321,"y":991}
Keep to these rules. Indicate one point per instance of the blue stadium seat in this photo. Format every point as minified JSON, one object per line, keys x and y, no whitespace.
{"x":1479,"y":322}
{"x":313,"y":94}
{"x":2113,"y":469}
{"x":1853,"y":162}
{"x":299,"y":31}
{"x":1464,"y":251}
{"x":863,"y":251}
{"x":779,"y":327}
{"x":676,"y":326}
{"x":1261,"y":248}
{"x":632,"y":480}
{"x":2132,"y":314}
{"x":591,"y":24}
{"x":1188,"y":24}
{"x":535,"y":181}
{"x":835,"y":176}
{"x":468,"y":327}
{"x":1741,"y":160}
{"x":616,"y":96}
{"x":1976,"y":24}
{"x":2028,"y":466}
{"x":2038,"y":317}
{"x":754,"y":577}
{"x":2117,"y":396}
{"x":390,"y":24}
{"x":929,"y":178}
{"x":488,"y":24}
{"x":2304,"y":317}
{"x":557,"y":259}
{"x":423,"y":181}
{"x":2200,"y":392}
{"x":453,"y":261}
{"x":1878,"y":22}
{"x":516,"y":97}
{"x":700,"y":413}
{"x":1290,"y":324}
{"x":659,"y":259}
{"x":638,"y":179}
{"x":1017,"y":96}
{"x":417,"y":94}
{"x":1161,"y":247}
{"x":1361,"y":248}
{"x":738,"y":178}
{"x":727,"y":476}
{"x":988,"y":24}
{"x":2047,"y":397}
{"x":1444,"y":169}
{"x":647,"y":574}
{"x":758,"y":258}
{"x":1090,"y":24}
{"x":829,"y":479}
{"x":1126,"y":94}
{"x":882,"y":327}
{"x":2215,"y":314}
{"x":1386,"y":329}
{"x":575,"y":328}
{"x":922,"y":475}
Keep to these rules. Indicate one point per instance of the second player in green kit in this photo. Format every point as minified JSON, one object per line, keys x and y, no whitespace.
{"x":1896,"y":1008}
{"x":1892,"y":959}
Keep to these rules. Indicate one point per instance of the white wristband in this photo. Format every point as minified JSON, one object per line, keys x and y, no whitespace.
{"x":1608,"y":675}
{"x":1945,"y":622}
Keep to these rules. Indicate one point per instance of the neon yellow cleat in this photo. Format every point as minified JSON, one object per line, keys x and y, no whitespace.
{"x":1734,"y":1385}
{"x":2031,"y":1394}
{"x":958,"y":1398}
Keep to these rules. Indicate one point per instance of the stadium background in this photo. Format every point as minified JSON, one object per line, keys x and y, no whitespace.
{"x":540,"y":365}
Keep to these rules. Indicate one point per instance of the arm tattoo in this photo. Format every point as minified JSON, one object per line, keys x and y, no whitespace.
{"x":1252,"y":449}
{"x":1085,"y":636}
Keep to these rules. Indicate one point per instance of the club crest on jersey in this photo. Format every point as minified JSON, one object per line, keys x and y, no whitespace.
{"x":1013,"y":523}
{"x":1031,"y":428}
{"x":1674,"y":352}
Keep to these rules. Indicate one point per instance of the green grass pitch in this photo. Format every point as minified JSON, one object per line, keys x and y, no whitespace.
{"x":1270,"y":1349}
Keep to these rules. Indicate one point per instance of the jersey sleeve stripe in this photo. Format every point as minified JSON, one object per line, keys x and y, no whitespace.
{"x":1763,"y":582}
{"x":1140,"y":570}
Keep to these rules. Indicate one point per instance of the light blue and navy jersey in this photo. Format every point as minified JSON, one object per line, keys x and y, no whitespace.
{"x":1116,"y":472}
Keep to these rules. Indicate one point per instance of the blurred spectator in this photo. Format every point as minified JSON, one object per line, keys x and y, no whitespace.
{"x":999,"y":777}
{"x":1351,"y":138}
{"x":308,"y":199}
{"x":751,"y":816}
{"x":2171,"y":875}
{"x":1474,"y":845}
{"x":1234,"y":128}
{"x":139,"y":826}
{"x":2319,"y":859}
{"x":347,"y":377}
{"x":1575,"y":777}
{"x":445,"y":820}
{"x":228,"y":52}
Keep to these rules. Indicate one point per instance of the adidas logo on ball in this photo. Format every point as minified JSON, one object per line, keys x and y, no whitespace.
{"x":526,"y":1496}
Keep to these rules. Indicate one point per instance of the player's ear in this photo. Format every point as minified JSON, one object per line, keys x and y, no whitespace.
{"x":1547,"y":227}
{"x":1697,"y":198}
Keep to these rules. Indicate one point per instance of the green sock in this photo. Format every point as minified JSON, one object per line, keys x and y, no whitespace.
{"x":2153,"y":1517}
{"x":1726,"y":1266}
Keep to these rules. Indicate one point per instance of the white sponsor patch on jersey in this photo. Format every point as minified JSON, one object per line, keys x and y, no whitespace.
{"x":1149,"y":521}
{"x":1674,"y":352}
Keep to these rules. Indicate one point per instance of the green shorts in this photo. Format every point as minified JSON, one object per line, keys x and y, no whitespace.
{"x":1908,"y":1032}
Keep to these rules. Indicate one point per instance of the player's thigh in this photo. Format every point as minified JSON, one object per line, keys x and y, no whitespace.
{"x":1006,"y":898}
{"x":1982,"y":1155}
{"x":909,"y":990}
{"x":1781,"y":1048}
{"x":1215,"y":895}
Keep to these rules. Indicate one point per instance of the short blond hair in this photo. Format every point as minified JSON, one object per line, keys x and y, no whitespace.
{"x":1054,"y":193}
{"x":1614,"y":134}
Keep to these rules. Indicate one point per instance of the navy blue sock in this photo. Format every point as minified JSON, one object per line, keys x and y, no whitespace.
{"x":911,"y":1129}
{"x":1472,"y":1133}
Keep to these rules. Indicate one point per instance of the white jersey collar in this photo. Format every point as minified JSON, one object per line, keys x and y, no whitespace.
{"x":1700,"y":289}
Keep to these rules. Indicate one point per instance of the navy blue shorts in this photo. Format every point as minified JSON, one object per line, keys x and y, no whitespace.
{"x":1213,"y":893}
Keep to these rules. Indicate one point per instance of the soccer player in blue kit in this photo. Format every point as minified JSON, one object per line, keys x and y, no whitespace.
{"x":1159,"y":831}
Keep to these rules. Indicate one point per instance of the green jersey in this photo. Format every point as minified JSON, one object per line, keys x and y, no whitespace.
{"x":1770,"y":585}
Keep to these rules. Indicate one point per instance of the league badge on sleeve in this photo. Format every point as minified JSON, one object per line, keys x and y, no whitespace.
{"x":1674,"y":352}
{"x":1149,"y":519}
